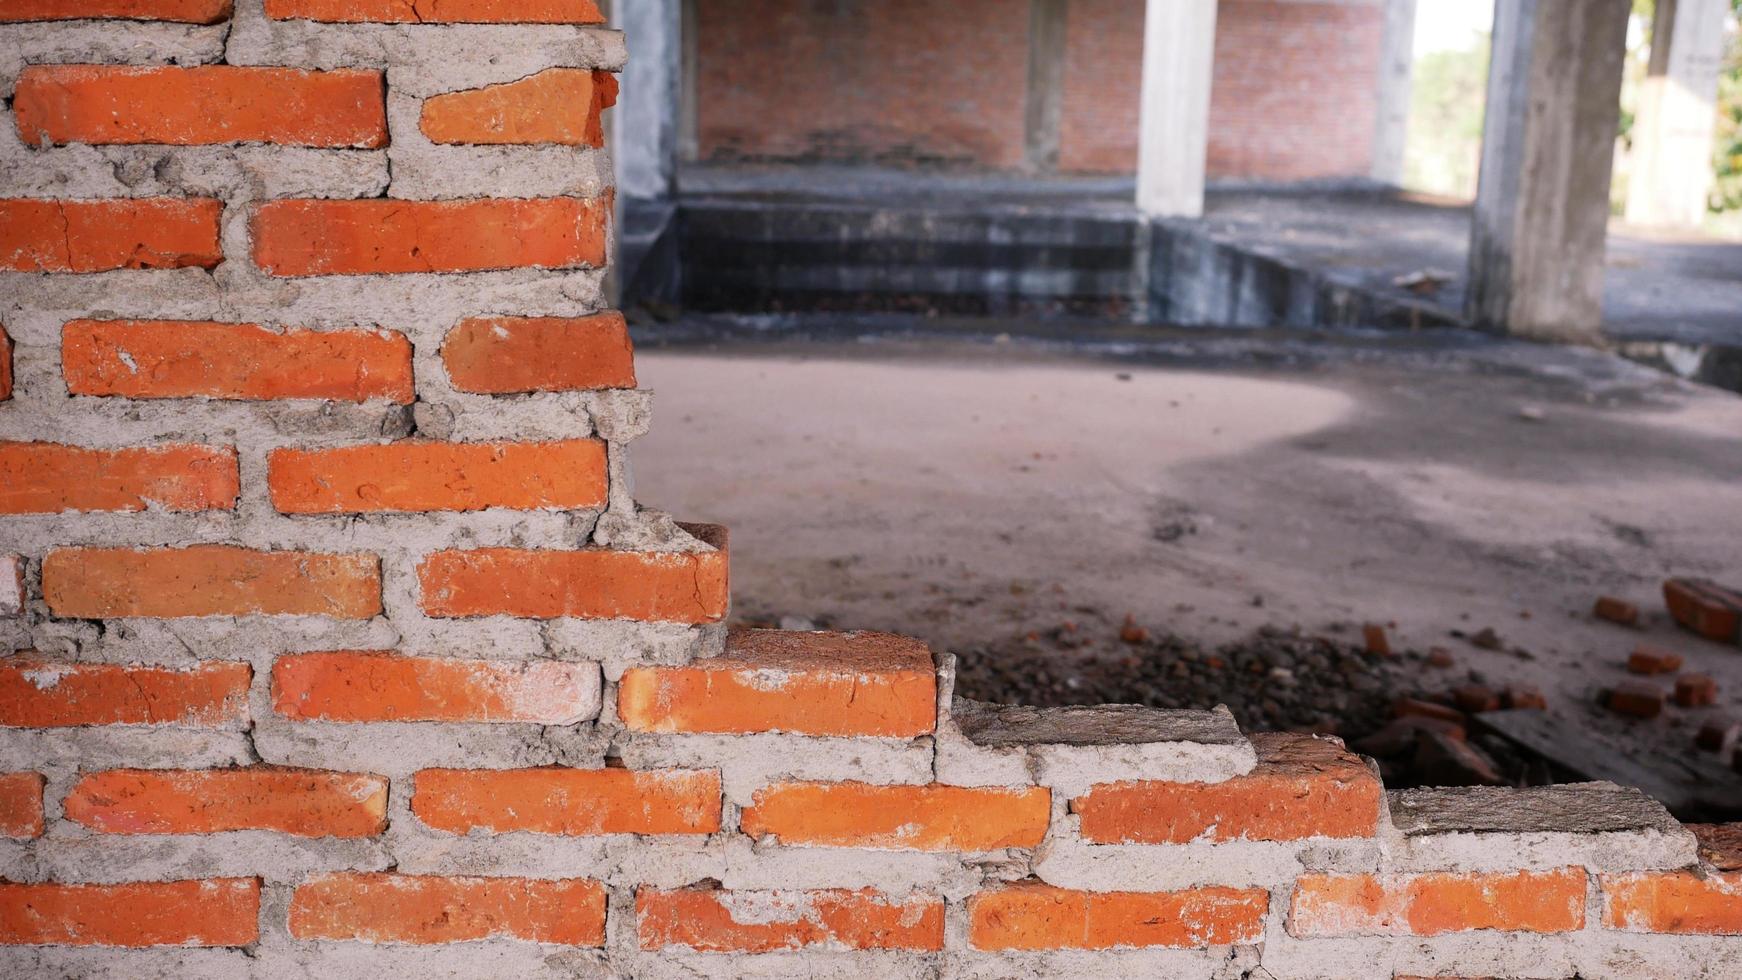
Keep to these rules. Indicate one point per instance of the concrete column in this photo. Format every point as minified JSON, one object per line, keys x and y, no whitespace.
{"x":1672,"y":133}
{"x":645,"y":132}
{"x":1396,"y":72}
{"x":1179,"y":50}
{"x":1046,"y":83}
{"x":1542,"y":203}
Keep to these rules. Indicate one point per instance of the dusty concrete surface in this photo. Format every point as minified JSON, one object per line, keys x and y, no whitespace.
{"x":972,"y":493}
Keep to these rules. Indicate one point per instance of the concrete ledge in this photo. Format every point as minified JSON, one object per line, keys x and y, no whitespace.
{"x":1601,"y":826}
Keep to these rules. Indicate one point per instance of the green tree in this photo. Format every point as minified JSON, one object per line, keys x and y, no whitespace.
{"x":1727,"y":192}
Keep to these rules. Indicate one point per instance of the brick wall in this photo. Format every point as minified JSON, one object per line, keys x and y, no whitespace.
{"x":912,"y":81}
{"x":334,"y":645}
{"x":891,"y":81}
{"x":1293,"y":95}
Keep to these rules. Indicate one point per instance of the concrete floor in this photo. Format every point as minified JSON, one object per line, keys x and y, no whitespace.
{"x":959,"y":491}
{"x":1657,"y":286}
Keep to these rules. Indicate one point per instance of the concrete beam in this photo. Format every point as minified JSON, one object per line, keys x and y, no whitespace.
{"x":1542,"y":205}
{"x":1179,"y":48}
{"x":1672,"y":133}
{"x":1396,"y":73}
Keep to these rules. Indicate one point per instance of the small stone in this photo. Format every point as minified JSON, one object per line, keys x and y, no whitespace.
{"x":1487,"y":639}
{"x":1441,"y":657}
{"x":1378,"y":643}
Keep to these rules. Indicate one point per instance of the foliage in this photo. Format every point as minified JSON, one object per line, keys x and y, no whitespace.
{"x":1447,"y":101}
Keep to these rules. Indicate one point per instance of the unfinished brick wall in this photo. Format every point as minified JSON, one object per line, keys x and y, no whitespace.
{"x":1294,"y":95}
{"x":911,"y":82}
{"x":338,"y":647}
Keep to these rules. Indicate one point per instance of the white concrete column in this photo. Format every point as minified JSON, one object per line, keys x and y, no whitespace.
{"x":1672,"y":133}
{"x":644,"y":124}
{"x":1396,"y":73}
{"x":1179,"y":50}
{"x":1539,"y":226}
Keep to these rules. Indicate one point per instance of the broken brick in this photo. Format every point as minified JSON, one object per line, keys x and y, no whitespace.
{"x":1648,"y":659}
{"x":1695,"y":691}
{"x":1616,"y":611}
{"x":1472,"y":698}
{"x":1407,"y":707}
{"x":1637,"y":699}
{"x":1378,"y":643}
{"x":1718,"y":735}
{"x":1706,"y":608}
{"x":1524,"y":698}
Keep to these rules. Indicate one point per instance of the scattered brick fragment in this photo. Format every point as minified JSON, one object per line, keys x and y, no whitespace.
{"x":1406,"y":707}
{"x":1523,"y":697}
{"x":1705,"y":607}
{"x":1616,"y":611}
{"x":1378,"y":643}
{"x":1472,"y":698}
{"x":1718,"y":735}
{"x":1636,"y":699}
{"x":1695,"y":691}
{"x":1648,"y":659}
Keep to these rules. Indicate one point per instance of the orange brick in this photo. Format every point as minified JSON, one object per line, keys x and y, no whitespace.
{"x":184,"y":11}
{"x":209,"y":580}
{"x":903,"y":817}
{"x":45,"y":478}
{"x":557,"y":105}
{"x":439,"y":11}
{"x":510,"y":355}
{"x":212,"y":912}
{"x":1705,"y":607}
{"x":204,"y":104}
{"x":1649,"y":659}
{"x":575,"y":802}
{"x":300,"y":802}
{"x":1696,"y":691}
{"x":595,"y":583}
{"x":353,"y":238}
{"x":1036,"y":917}
{"x":427,"y":910}
{"x":359,"y":687}
{"x":1302,"y":787}
{"x":1436,"y":904}
{"x":5,"y":365}
{"x":99,"y":236}
{"x":1616,"y":610}
{"x":241,"y":361}
{"x":56,"y":694}
{"x":424,"y":476}
{"x":830,"y":684}
{"x":714,"y":921}
{"x":1679,"y":902}
{"x":21,"y":804}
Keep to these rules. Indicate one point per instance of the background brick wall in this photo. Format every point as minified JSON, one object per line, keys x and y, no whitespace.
{"x":945,"y":84}
{"x":899,"y":81}
{"x":332,"y":643}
